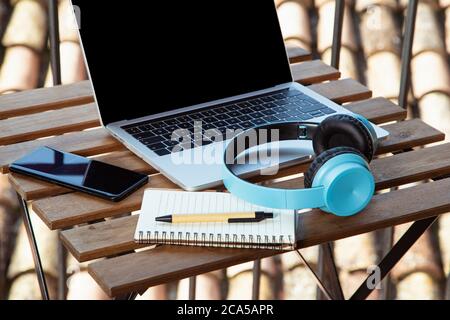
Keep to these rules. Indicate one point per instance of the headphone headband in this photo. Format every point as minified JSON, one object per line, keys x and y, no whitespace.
{"x":270,"y":197}
{"x":343,"y":183}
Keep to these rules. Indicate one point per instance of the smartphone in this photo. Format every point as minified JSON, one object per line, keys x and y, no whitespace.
{"x":79,"y":173}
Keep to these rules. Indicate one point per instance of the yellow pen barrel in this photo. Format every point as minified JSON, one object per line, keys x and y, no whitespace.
{"x":196,"y":218}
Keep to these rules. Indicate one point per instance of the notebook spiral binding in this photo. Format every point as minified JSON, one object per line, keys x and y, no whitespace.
{"x":216,"y":240}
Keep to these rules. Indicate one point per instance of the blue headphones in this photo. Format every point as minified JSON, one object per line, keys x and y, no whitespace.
{"x":338,"y":181}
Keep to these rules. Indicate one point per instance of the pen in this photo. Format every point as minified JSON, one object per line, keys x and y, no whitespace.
{"x":231,"y":217}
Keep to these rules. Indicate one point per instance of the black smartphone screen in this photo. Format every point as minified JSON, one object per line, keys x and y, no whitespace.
{"x":80,"y":173}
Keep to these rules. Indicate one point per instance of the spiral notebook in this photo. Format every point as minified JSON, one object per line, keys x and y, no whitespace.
{"x":277,"y":233}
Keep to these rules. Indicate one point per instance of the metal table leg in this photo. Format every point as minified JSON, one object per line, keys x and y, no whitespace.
{"x":34,"y":249}
{"x":327,"y":272}
{"x":256,"y":279}
{"x":62,"y":271}
{"x":192,"y":287}
{"x":393,"y":257}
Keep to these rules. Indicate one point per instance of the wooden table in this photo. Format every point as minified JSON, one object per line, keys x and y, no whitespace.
{"x":65,"y":117}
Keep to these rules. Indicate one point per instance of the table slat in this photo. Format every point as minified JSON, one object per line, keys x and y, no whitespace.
{"x":313,"y":72}
{"x":163,"y":264}
{"x":340,"y":91}
{"x":38,"y":100}
{"x":74,"y":208}
{"x":116,"y":236}
{"x":297,"y":54}
{"x":376,"y":111}
{"x":48,"y":123}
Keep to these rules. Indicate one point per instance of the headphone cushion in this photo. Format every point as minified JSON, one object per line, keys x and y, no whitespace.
{"x":320,"y":160}
{"x":343,"y":130}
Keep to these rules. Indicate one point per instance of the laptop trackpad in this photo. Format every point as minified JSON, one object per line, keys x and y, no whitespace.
{"x":262,"y":160}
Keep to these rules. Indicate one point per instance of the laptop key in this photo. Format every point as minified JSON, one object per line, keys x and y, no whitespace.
{"x":281,"y":102}
{"x":170,"y":143}
{"x":151,"y":140}
{"x":271,"y":119}
{"x":145,"y":127}
{"x":244,"y":104}
{"x":234,"y":113}
{"x":269,"y":105}
{"x":328,"y":110}
{"x":282,"y":115}
{"x":208,"y":126}
{"x":183,"y":119}
{"x":220,"y":123}
{"x":158,"y":125}
{"x":186,"y":125}
{"x":256,"y":115}
{"x":316,"y":114}
{"x":268,"y":112}
{"x":170,"y":122}
{"x":232,"y":121}
{"x":160,"y":131}
{"x":209,"y":119}
{"x":280,"y":109}
{"x":133,"y":130}
{"x":171,"y":128}
{"x":144,"y":135}
{"x":222,"y":116}
{"x":258,"y":122}
{"x":294,"y":113}
{"x":195,"y":116}
{"x":244,"y":118}
{"x":305,"y":117}
{"x":256,"y":102}
{"x":258,"y":108}
{"x":155,"y":146}
{"x":246,"y":110}
{"x":267,"y":99}
{"x":246,"y":124}
{"x":208,"y":113}
{"x":235,"y":127}
{"x":162,"y":152}
{"x":308,"y":109}
{"x":232,"y":107}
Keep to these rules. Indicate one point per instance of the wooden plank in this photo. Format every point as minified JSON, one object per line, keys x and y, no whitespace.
{"x":116,"y":236}
{"x":341,"y":91}
{"x":408,"y":134}
{"x":189,"y":260}
{"x":32,"y":189}
{"x":65,"y":210}
{"x":313,"y":72}
{"x":138,"y":271}
{"x":86,"y":143}
{"x":48,"y":123}
{"x":376,"y":111}
{"x":297,"y":54}
{"x":75,"y":208}
{"x":38,"y":100}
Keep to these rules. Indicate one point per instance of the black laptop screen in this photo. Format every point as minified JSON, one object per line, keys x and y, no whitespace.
{"x":149,"y":57}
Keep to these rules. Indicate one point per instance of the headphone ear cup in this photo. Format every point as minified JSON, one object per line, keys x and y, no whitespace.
{"x":346,"y":131}
{"x":321,"y":159}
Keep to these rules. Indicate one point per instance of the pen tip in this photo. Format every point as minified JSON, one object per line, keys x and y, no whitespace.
{"x":164,"y":219}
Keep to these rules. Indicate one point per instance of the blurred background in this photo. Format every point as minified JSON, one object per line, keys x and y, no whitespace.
{"x":371,"y":49}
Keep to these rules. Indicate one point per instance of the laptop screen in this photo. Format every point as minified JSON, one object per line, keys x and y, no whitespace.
{"x":150,"y":57}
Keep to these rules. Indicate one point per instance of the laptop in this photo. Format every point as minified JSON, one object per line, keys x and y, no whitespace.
{"x":172,"y":65}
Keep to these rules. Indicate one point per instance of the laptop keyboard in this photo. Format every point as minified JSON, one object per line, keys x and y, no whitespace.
{"x":284,"y":105}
